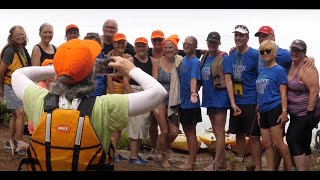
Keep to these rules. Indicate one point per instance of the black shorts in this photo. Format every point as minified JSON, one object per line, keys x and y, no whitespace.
{"x":190,"y":116}
{"x":215,"y":110}
{"x":269,"y":118}
{"x":246,"y":122}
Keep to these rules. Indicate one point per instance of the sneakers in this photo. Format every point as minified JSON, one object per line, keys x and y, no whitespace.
{"x":119,"y":158}
{"x":12,"y":145}
{"x":137,"y":161}
{"x":153,"y":155}
{"x":7,"y":145}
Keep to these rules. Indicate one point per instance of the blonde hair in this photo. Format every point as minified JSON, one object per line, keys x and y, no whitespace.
{"x":272,"y":44}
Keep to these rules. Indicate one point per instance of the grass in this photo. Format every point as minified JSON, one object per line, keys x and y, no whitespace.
{"x":5,"y":114}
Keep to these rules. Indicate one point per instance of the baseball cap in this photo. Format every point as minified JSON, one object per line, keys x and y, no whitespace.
{"x":214,"y":36}
{"x":264,"y":30}
{"x":141,"y":40}
{"x":157,"y":34}
{"x":70,"y":26}
{"x":47,"y":62}
{"x":242,"y":29}
{"x":118,"y":37}
{"x":300,"y":44}
{"x":76,"y":58}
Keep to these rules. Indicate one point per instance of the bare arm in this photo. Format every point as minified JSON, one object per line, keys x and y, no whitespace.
{"x":283,"y":118}
{"x":194,"y":90}
{"x":3,"y":69}
{"x":35,"y":56}
{"x":310,"y":79}
{"x":230,"y":90}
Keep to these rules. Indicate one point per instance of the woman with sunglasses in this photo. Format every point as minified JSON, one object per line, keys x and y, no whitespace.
{"x":303,"y":105}
{"x":272,"y":105}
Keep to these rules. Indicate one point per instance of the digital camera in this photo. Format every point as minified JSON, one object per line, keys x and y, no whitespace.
{"x":101,"y":66}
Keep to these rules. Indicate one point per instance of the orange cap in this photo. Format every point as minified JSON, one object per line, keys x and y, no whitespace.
{"x":157,"y":34}
{"x":71,"y":26}
{"x":118,"y":37}
{"x":76,"y":58}
{"x":141,"y":40}
{"x":174,"y":39}
{"x":47,"y":62}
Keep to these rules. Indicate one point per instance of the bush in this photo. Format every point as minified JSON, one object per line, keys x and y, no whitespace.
{"x":5,"y":114}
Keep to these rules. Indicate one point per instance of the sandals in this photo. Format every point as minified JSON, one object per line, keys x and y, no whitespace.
{"x":213,"y":167}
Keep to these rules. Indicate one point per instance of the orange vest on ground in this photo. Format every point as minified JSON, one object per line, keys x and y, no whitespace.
{"x":65,"y":140}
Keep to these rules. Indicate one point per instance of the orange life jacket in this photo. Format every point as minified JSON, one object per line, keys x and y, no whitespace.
{"x":65,"y":140}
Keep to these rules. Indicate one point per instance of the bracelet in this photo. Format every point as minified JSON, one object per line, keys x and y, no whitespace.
{"x":284,"y":110}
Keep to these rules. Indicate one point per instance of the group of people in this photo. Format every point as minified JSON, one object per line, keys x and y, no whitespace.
{"x":159,"y":87}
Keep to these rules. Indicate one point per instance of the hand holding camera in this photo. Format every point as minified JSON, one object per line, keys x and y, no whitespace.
{"x":115,"y":66}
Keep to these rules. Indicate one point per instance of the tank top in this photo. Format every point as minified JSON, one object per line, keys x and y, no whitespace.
{"x":45,"y":55}
{"x":146,"y":67}
{"x":298,"y":97}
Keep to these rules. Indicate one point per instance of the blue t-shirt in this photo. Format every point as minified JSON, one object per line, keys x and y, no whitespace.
{"x":101,"y":82}
{"x":268,"y":87}
{"x":212,"y":97}
{"x":189,"y":69}
{"x":245,"y":70}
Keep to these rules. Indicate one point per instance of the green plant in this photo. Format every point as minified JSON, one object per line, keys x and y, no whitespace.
{"x":124,"y":142}
{"x":5,"y":114}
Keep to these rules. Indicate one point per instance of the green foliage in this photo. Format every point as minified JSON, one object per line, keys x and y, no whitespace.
{"x":5,"y":114}
{"x":124,"y":142}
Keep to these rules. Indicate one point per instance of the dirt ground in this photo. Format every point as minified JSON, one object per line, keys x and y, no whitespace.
{"x":10,"y":163}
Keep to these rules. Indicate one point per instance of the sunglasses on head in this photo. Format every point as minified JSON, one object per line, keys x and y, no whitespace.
{"x":262,"y":52}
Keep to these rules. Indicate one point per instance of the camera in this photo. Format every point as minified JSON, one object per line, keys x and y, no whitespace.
{"x":101,"y":66}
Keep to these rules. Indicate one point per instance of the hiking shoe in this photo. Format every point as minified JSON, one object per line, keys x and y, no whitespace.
{"x":137,"y":161}
{"x":153,"y":155}
{"x":143,"y":160}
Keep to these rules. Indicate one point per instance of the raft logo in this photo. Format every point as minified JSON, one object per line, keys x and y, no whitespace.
{"x":63,"y":128}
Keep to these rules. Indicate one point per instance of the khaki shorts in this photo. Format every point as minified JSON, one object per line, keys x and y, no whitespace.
{"x":138,"y":126}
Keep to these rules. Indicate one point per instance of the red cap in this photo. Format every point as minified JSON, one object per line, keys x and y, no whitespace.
{"x":264,"y":30}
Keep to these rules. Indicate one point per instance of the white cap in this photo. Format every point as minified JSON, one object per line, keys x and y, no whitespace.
{"x":242,"y":29}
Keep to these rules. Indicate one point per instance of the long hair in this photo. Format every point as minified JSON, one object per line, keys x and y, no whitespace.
{"x":72,"y":91}
{"x":11,"y":31}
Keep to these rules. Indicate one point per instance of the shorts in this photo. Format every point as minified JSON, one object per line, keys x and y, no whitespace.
{"x":190,"y":116}
{"x":246,"y":122}
{"x":138,"y":126}
{"x":12,"y":101}
{"x":269,"y":118}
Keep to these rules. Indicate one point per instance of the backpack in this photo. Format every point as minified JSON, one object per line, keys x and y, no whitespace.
{"x":70,"y":143}
{"x":216,"y":69}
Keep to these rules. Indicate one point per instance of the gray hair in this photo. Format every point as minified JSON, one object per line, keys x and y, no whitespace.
{"x":72,"y":91}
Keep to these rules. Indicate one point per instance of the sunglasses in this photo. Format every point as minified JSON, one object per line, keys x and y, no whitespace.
{"x":262,"y":52}
{"x":157,"y":40}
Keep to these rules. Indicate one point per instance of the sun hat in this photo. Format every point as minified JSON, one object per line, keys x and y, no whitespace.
{"x":76,"y":58}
